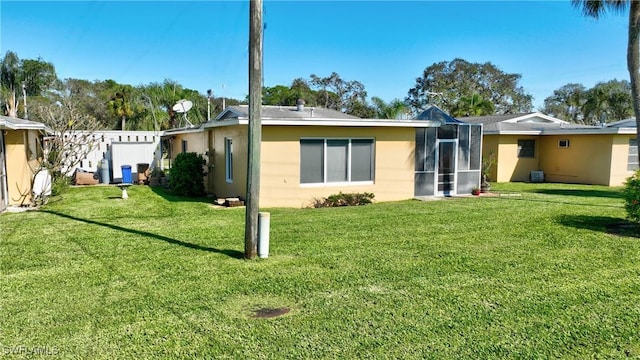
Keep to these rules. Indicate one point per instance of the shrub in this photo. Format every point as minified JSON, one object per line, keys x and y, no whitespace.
{"x":59,"y":184}
{"x":631,"y":194}
{"x":342,"y":199}
{"x":187,"y":174}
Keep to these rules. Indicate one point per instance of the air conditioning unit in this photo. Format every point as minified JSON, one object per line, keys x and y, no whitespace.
{"x":537,"y":176}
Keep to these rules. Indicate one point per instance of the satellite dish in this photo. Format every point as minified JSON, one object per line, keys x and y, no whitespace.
{"x":182,"y":106}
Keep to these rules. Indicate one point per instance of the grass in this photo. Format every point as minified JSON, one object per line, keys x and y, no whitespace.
{"x":550,"y":271}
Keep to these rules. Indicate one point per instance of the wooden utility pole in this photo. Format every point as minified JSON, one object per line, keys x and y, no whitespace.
{"x":255,"y":129}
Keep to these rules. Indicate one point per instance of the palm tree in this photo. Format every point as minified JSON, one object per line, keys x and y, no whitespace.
{"x":395,"y":109}
{"x":474,"y":105}
{"x":595,"y":8}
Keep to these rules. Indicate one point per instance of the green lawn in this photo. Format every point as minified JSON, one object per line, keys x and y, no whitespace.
{"x":544,"y":271}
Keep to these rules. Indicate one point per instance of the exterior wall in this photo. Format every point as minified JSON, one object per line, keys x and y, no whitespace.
{"x":619,"y":160}
{"x":490,"y":146}
{"x":509,"y":166}
{"x":598,"y":159}
{"x":20,"y":162}
{"x":587,"y":160}
{"x":217,"y":182}
{"x":280,"y":164}
{"x":196,"y":142}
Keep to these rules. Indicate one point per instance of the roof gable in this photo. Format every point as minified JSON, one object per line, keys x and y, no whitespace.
{"x":626,"y":123}
{"x":532,"y":117}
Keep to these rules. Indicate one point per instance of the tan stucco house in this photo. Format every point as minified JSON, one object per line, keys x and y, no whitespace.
{"x":308,"y":153}
{"x":19,"y":152}
{"x":538,"y":145}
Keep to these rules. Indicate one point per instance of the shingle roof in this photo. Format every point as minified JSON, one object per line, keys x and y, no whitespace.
{"x":532,"y":126}
{"x":491,"y":119}
{"x":631,"y":123}
{"x":20,"y":124}
{"x":524,"y":122}
{"x":285,"y":112}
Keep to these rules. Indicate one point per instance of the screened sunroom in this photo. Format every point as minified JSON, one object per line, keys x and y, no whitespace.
{"x":448,"y":157}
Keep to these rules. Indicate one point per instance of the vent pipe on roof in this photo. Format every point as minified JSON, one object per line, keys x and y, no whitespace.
{"x":300,"y":104}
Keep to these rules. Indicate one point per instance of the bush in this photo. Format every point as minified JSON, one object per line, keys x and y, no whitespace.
{"x":59,"y":185}
{"x":631,"y":194}
{"x":341,"y":199}
{"x":187,"y":174}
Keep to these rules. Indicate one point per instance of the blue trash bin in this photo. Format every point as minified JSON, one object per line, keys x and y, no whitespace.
{"x":126,"y":174}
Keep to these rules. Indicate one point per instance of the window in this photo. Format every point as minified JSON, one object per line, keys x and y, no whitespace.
{"x":632,"y":159}
{"x":336,"y":160}
{"x":526,"y":148}
{"x":228,"y":159}
{"x":184,"y":146}
{"x":33,"y":148}
{"x":563,"y":143}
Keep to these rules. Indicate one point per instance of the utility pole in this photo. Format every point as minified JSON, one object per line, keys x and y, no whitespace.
{"x":255,"y":129}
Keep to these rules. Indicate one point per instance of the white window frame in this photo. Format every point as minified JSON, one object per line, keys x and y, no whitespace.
{"x":633,"y":150}
{"x":564,"y":143}
{"x":349,"y":182}
{"x":228,"y":159}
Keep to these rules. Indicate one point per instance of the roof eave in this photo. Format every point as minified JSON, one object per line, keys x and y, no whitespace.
{"x":329,"y":122}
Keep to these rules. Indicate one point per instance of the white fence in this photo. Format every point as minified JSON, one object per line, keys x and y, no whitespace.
{"x":122,"y":148}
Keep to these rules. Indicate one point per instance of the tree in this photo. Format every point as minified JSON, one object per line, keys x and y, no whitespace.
{"x":72,"y":136}
{"x":444,"y":83}
{"x":9,"y":75}
{"x":338,"y":94}
{"x":278,"y":95}
{"x":567,"y":103}
{"x":300,"y":90}
{"x":119,"y":104}
{"x":595,"y":9}
{"x":607,"y":102}
{"x":30,"y":77}
{"x":473,"y":105}
{"x":361,"y":109}
{"x":395,"y":109}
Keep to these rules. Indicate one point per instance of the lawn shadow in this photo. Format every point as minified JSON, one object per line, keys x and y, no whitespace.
{"x":550,"y":200}
{"x":168,"y":195}
{"x":581,"y":193}
{"x":607,"y":224}
{"x":231,"y":253}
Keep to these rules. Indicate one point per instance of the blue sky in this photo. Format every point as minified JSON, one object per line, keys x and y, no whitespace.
{"x":385,"y":45}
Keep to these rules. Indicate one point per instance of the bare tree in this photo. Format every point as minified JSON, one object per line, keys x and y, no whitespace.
{"x":72,"y":140}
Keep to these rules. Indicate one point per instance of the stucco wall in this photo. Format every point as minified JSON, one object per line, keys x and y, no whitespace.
{"x":280,"y":164}
{"x":196,"y":142}
{"x":19,"y":166}
{"x":599,"y":159}
{"x":587,"y":160}
{"x":217,"y":182}
{"x":509,"y":166}
{"x":280,"y":183}
{"x":619,"y":159}
{"x":490,"y":146}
